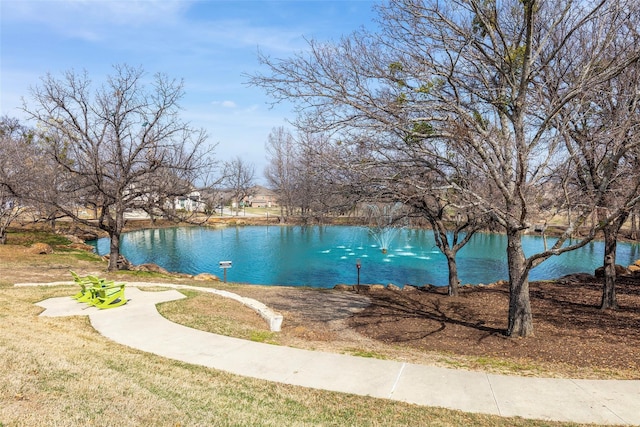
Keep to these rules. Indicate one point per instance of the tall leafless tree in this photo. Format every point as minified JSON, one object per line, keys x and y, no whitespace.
{"x":635,"y":212}
{"x":15,"y":175}
{"x":280,"y":172}
{"x":327,"y":184}
{"x":601,"y":131}
{"x":26,"y":176}
{"x":110,"y":143}
{"x":240,"y":179}
{"x":466,"y":79}
{"x":309,"y":174}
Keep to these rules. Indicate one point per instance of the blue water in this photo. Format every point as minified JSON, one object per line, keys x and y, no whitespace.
{"x":324,"y":256}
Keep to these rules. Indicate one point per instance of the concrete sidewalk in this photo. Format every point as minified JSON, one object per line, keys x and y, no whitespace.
{"x":582,"y":401}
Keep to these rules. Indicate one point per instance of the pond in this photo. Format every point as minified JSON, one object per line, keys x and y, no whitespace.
{"x":323,"y":256}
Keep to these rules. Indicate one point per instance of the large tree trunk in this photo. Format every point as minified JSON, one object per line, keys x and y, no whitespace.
{"x":454,"y":283}
{"x":114,"y":250}
{"x":3,"y":237}
{"x":115,"y":231}
{"x":609,"y":299}
{"x":520,"y":323}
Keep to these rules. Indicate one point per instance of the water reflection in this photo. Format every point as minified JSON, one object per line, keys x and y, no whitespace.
{"x":325,"y":256}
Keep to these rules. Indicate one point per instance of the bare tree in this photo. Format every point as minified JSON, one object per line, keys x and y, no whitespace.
{"x":239,"y":177}
{"x":453,"y":225}
{"x":15,"y":141}
{"x":307,"y":173}
{"x":601,"y":131}
{"x":26,"y":176}
{"x":325,"y":181}
{"x":311,"y":192}
{"x":635,"y":212}
{"x":466,"y":79}
{"x":435,"y":190}
{"x":281,"y":171}
{"x":111,"y":142}
{"x":487,"y":67}
{"x":9,"y":211}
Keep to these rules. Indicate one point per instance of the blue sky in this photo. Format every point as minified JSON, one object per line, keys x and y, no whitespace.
{"x":209,"y":44}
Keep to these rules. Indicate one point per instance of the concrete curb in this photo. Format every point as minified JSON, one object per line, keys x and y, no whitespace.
{"x":273,"y":319}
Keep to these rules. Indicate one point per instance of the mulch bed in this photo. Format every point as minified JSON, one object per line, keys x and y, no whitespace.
{"x":569,"y":326}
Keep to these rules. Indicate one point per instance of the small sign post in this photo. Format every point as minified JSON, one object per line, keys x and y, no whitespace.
{"x":224,"y":265}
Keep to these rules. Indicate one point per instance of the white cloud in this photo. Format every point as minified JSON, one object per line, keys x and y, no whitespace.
{"x":93,"y":20}
{"x":225,"y":104}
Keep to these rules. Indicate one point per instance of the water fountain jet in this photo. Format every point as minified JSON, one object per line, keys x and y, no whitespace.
{"x":385,"y":223}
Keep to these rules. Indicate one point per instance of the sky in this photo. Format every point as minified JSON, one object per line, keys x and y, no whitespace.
{"x":211,"y":45}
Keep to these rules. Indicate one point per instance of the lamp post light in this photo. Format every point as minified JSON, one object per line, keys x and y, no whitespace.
{"x":358,"y":265}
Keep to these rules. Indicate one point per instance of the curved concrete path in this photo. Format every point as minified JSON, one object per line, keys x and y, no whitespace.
{"x":581,"y":401}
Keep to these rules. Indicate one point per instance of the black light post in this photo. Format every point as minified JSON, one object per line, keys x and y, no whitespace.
{"x":358,"y":265}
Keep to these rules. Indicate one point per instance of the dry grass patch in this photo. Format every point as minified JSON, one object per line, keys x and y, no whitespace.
{"x":213,"y":313}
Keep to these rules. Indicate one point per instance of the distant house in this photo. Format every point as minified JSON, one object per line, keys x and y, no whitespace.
{"x":261,"y":197}
{"x":191,"y":202}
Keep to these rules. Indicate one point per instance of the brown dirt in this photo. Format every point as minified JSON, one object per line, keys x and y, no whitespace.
{"x":573,"y":337}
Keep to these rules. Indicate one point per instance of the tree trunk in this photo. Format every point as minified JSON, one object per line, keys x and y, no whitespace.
{"x":634,"y":225}
{"x":442,"y":242}
{"x":117,"y":225}
{"x":454,"y":283}
{"x":114,"y":250}
{"x":520,"y":322}
{"x":609,"y":299}
{"x":3,"y":238}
